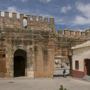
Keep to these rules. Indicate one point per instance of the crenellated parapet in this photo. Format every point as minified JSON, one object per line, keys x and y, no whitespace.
{"x":33,"y":22}
{"x":9,"y":22}
{"x":39,"y":22}
{"x":74,"y":34}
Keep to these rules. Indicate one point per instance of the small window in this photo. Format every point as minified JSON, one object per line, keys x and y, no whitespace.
{"x":77,"y":65}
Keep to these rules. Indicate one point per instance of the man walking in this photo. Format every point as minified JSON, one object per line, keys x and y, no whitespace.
{"x":64,"y":72}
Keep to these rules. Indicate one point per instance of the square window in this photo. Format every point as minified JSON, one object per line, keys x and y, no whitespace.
{"x":77,"y":65}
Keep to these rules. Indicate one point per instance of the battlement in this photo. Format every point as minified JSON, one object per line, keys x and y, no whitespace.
{"x":73,"y":34}
{"x":34,"y":18}
{"x":33,"y":22}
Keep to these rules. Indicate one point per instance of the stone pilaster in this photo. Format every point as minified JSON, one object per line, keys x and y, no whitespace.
{"x":30,"y":57}
{"x":39,"y":63}
{"x":9,"y":61}
{"x":51,"y":57}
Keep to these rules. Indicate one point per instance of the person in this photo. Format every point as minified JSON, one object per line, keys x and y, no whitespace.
{"x":67,"y":63}
{"x":64,"y":72}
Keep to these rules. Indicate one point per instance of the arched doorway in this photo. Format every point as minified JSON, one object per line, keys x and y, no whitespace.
{"x":19,"y":63}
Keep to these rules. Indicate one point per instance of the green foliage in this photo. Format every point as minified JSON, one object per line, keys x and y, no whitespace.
{"x":62,"y":88}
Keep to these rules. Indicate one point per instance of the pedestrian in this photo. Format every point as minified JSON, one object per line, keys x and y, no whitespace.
{"x":64,"y":73}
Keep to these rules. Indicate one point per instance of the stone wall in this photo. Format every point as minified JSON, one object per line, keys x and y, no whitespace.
{"x":3,"y":68}
{"x":80,"y":55}
{"x":39,"y":39}
{"x":74,"y":33}
{"x":40,"y":53}
{"x":33,"y":23}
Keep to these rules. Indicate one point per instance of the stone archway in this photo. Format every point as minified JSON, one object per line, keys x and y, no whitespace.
{"x":19,"y":63}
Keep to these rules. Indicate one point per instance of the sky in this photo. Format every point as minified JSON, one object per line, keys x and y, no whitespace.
{"x":70,"y":14}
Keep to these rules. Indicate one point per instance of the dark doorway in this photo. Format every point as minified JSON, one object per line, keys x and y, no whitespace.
{"x":87,"y":62}
{"x":70,"y":61}
{"x":19,"y":63}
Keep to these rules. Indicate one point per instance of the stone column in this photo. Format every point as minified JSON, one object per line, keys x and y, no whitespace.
{"x":39,"y":62}
{"x":30,"y":57}
{"x":9,"y":61}
{"x":51,"y":57}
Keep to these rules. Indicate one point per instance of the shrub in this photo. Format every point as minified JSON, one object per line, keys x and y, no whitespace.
{"x":62,"y":88}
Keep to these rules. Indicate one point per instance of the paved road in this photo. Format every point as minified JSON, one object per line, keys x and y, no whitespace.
{"x":43,"y":84}
{"x":60,"y":72}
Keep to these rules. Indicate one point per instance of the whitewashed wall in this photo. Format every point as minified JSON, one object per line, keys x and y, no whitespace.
{"x":80,"y":54}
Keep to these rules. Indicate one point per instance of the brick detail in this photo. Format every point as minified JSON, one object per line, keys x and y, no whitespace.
{"x":78,"y":74}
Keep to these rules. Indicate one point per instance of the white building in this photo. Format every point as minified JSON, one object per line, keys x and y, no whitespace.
{"x":81,"y":60}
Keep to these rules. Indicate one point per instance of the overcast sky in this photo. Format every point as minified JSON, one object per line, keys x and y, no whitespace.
{"x":71,"y":14}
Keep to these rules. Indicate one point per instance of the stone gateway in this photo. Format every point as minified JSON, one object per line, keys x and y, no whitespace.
{"x":26,"y":51}
{"x":31,"y":50}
